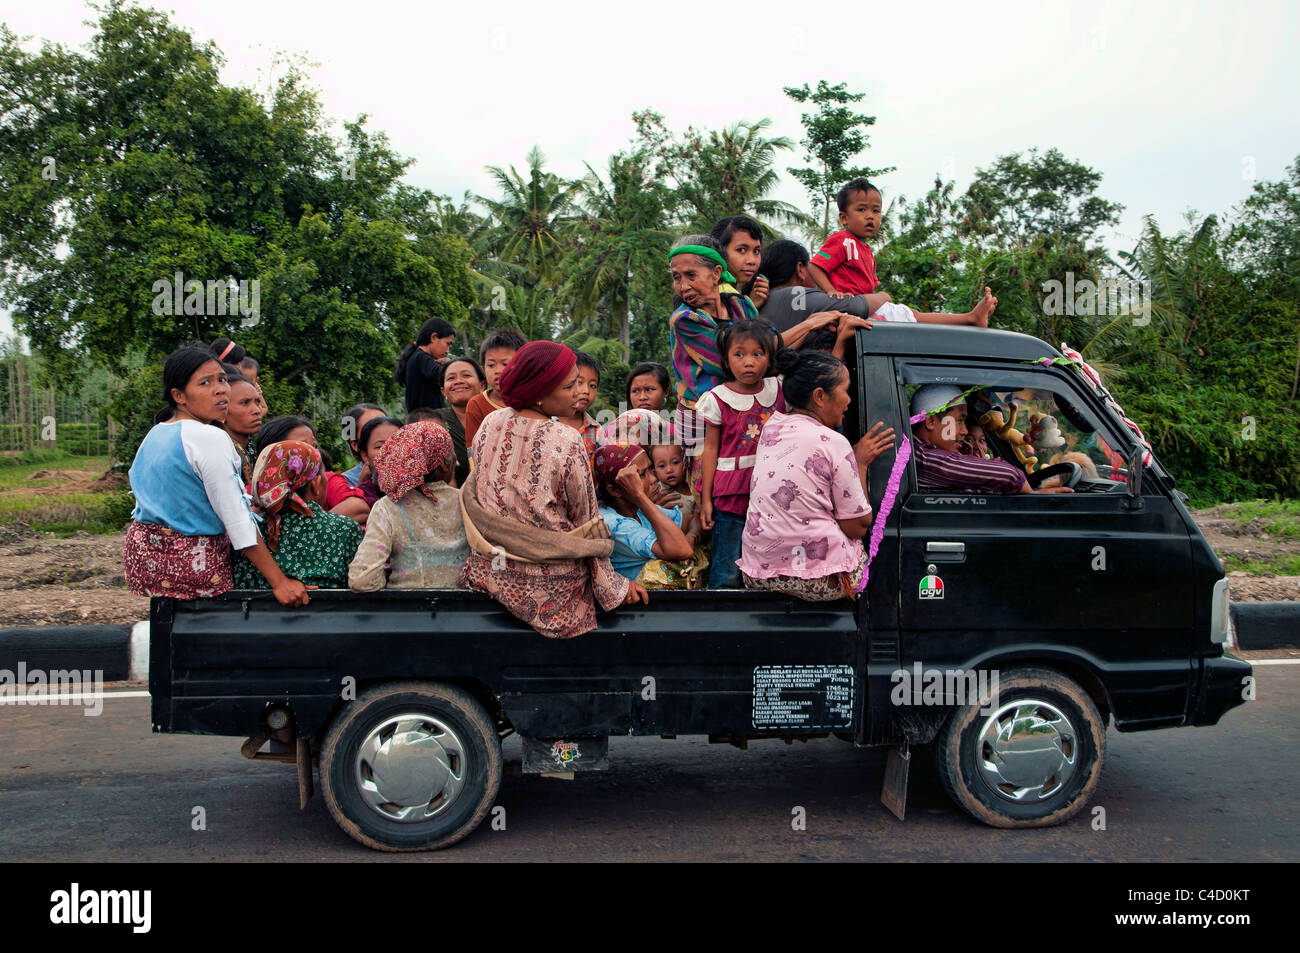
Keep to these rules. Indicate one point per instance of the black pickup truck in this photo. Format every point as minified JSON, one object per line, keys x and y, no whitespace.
{"x":1005,"y":632}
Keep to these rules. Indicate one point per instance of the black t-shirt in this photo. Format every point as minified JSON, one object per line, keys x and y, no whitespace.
{"x":788,"y":306}
{"x":423,"y":382}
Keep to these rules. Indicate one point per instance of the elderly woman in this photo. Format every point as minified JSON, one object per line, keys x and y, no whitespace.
{"x":462,"y":381}
{"x":539,"y":545}
{"x":698,"y":271}
{"x":191,"y":509}
{"x":306,"y":541}
{"x":416,"y":526}
{"x":808,"y":508}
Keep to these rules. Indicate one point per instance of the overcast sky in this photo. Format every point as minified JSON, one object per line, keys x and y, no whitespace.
{"x":1176,"y":104}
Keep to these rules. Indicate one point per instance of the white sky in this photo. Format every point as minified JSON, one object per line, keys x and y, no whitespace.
{"x":1175,"y":103}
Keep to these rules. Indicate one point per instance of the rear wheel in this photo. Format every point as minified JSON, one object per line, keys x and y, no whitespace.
{"x":411,"y":766}
{"x":1031,"y":759}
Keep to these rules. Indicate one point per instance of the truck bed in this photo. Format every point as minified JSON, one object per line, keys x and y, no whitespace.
{"x":714,"y":662}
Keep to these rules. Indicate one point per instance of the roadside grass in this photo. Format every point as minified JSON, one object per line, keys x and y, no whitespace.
{"x":1278,"y":517}
{"x":94,"y":511}
{"x":1280,"y":565}
{"x":16,"y":471}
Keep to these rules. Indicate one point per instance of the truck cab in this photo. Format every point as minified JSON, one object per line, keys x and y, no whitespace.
{"x":1002,"y":632}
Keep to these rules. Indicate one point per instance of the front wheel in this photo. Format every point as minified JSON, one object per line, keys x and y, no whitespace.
{"x":1031,"y":758}
{"x":411,"y":766}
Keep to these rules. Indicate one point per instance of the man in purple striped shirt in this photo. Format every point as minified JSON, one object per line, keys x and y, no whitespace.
{"x":940,"y":468}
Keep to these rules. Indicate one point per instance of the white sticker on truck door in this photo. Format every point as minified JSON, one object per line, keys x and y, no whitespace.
{"x":931,"y":587}
{"x":803,"y":696}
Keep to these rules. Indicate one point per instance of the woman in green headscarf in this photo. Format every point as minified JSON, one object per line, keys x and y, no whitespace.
{"x":709,"y":304}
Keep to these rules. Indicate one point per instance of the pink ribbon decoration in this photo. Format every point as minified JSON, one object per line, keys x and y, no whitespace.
{"x":890,"y":497}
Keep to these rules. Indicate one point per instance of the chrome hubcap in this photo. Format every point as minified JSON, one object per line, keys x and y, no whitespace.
{"x":1027,"y":751}
{"x":410,"y":767}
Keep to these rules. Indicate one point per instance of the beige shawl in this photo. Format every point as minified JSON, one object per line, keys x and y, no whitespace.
{"x":489,"y":535}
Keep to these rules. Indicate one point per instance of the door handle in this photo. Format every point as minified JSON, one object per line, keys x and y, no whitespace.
{"x":942,"y":547}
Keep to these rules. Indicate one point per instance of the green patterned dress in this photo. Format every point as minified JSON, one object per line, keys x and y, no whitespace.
{"x":315,"y":550}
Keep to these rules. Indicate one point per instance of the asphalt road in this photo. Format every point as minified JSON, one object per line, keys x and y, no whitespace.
{"x":104,"y":789}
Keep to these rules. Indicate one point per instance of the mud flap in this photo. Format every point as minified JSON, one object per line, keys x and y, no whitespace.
{"x":559,"y":756}
{"x":894,"y":792}
{"x":305,"y":786}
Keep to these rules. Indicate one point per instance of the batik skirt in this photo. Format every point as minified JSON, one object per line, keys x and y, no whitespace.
{"x":839,"y":585}
{"x":158,"y":561}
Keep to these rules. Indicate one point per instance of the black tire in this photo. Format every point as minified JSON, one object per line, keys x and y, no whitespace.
{"x":1080,"y":739}
{"x":418,"y":736}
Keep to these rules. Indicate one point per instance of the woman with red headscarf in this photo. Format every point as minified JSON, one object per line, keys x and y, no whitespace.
{"x":538,"y":543}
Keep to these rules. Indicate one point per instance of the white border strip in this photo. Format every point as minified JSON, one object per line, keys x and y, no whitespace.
{"x":42,"y":699}
{"x":139,"y":652}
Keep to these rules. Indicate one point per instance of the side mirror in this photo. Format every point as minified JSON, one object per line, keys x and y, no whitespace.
{"x":1134,"y":463}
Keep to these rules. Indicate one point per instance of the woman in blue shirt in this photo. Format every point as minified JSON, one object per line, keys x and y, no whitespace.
{"x":191,"y":506}
{"x":641,"y":530}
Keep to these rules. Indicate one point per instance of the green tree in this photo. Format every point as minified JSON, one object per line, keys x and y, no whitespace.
{"x":531,"y":311}
{"x":1186,"y":370}
{"x":131,"y":162}
{"x":716,"y":173}
{"x":531,"y":222}
{"x":621,"y":240}
{"x":922,"y":254}
{"x":1016,"y":199}
{"x":1265,"y":242}
{"x":834,"y":136}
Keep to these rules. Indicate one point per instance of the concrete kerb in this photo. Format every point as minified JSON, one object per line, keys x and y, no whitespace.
{"x":1266,"y":625}
{"x":122,"y":651}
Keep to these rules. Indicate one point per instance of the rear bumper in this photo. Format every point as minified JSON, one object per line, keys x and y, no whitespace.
{"x":1223,"y":685}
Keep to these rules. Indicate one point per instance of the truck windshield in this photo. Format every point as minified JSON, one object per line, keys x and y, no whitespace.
{"x":1015,"y":416}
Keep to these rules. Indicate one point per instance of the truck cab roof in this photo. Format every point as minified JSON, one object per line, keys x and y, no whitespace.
{"x":939,"y":340}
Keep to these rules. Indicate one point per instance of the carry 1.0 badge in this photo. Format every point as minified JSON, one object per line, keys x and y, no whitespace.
{"x":931,"y":587}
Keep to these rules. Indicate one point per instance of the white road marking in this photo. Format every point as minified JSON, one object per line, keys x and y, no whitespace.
{"x":44,"y":699}
{"x":1274,"y":661}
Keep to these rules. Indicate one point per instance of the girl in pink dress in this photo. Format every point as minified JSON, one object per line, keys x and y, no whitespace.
{"x":734,"y":413}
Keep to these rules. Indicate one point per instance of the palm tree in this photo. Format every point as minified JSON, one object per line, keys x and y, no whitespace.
{"x":621,"y":237}
{"x":1177,"y":278}
{"x":534,"y":311}
{"x":531,"y":221}
{"x":730,"y":173}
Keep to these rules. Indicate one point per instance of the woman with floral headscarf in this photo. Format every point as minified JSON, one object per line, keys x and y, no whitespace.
{"x":416,"y":526}
{"x":306,"y":541}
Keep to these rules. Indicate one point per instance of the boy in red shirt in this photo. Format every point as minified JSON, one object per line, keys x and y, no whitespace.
{"x":846,"y":266}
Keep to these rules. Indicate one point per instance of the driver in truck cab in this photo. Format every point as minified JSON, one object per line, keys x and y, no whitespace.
{"x":941,"y":467}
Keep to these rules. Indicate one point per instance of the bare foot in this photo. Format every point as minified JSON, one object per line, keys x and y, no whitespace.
{"x":985,"y":308}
